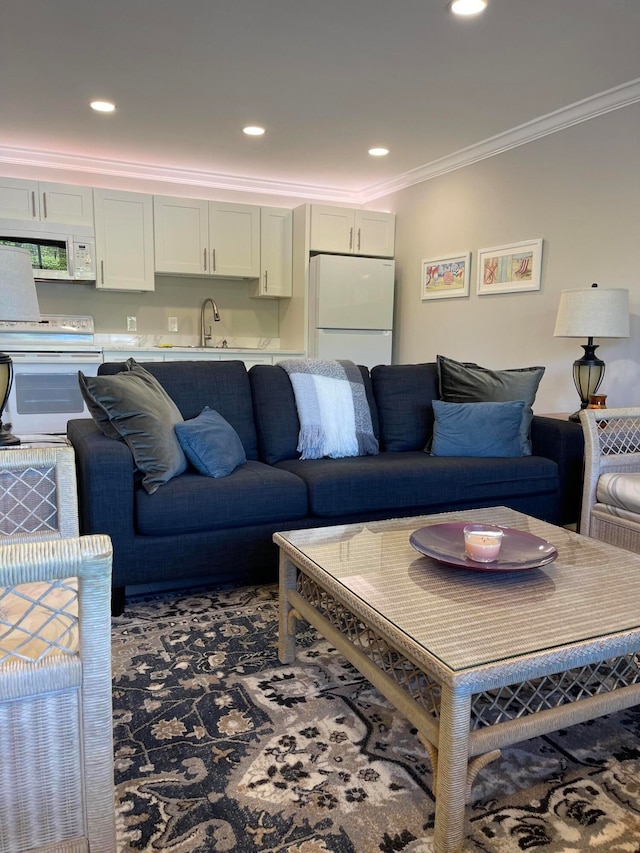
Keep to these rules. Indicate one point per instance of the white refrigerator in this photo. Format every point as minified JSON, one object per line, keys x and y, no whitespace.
{"x":351,"y":308}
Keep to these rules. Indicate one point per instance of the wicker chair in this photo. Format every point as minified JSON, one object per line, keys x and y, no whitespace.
{"x":38,"y":498}
{"x":56,"y":784}
{"x":611,"y":491}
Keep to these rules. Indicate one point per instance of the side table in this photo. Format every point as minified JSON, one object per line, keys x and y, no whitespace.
{"x":559,"y":416}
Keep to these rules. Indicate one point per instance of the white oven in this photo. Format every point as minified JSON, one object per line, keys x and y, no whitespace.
{"x":45,"y":393}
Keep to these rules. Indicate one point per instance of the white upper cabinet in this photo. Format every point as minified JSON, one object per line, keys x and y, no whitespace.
{"x":124,"y":240}
{"x":181,"y":231}
{"x":40,"y":201}
{"x":349,"y":231}
{"x":208,"y":238}
{"x":234,"y":239}
{"x":375,"y":233}
{"x":276,"y":253}
{"x":331,"y":229}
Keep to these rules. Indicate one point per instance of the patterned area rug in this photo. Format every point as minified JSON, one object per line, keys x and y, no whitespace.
{"x":221,"y":748}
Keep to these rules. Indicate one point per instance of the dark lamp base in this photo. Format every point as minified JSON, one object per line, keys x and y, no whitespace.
{"x":7,"y":439}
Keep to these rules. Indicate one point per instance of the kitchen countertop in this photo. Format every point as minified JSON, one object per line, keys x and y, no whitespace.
{"x":184,"y":344}
{"x":191,"y":349}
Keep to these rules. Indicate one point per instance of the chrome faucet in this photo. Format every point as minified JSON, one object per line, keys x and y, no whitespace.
{"x":206,"y":336}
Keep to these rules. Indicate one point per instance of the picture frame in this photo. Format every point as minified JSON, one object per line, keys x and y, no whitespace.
{"x":446,"y":277}
{"x":511,"y":268}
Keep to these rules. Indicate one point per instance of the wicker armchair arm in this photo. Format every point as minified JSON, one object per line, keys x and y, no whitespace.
{"x":611,"y":444}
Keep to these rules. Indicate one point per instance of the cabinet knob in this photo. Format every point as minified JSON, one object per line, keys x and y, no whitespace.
{"x":44,"y":204}
{"x":350,"y":238}
{"x":266,"y":281}
{"x":358,"y":239}
{"x":33,"y":204}
{"x":213,"y":260}
{"x":205,"y":259}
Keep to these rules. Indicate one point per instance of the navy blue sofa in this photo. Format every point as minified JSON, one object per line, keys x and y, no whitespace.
{"x":221,"y":529}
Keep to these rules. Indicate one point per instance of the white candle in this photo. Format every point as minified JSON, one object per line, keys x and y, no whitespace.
{"x":482,"y":543}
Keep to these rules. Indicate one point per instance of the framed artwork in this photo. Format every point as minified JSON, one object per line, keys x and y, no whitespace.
{"x":510,"y":269}
{"x":444,"y":278}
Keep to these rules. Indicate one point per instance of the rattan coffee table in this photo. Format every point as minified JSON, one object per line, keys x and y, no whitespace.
{"x":474,"y":660}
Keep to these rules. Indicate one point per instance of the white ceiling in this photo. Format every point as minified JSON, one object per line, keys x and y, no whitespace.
{"x":327,"y":78}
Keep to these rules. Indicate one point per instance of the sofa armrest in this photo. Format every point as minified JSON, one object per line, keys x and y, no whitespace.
{"x":563,"y":442}
{"x":105,"y":476}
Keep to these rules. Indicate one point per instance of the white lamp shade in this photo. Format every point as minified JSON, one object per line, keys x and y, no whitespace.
{"x":594,"y":312}
{"x":18,"y":297}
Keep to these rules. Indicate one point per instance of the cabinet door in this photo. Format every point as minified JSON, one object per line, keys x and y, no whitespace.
{"x":181,"y":232}
{"x":124,"y":240}
{"x":139,"y":355}
{"x":249,"y":360}
{"x":66,"y":204}
{"x":19,"y":199}
{"x":170,"y":355}
{"x":234,"y":239}
{"x":374,"y":233}
{"x":332,"y":229}
{"x":276,"y":252}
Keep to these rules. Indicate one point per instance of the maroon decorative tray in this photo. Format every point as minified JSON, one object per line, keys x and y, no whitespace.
{"x":520,"y":550}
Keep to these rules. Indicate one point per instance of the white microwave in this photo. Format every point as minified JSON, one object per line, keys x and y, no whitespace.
{"x":55,"y":256}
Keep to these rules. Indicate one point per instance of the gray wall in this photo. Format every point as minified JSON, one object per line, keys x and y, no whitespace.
{"x":579,"y":189}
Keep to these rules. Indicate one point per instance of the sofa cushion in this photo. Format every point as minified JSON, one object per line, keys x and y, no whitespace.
{"x":620,"y":490}
{"x":396,"y":482}
{"x":276,"y":415}
{"x":252,"y":494}
{"x":404,"y":393}
{"x":477,"y":429}
{"x":466,"y":382}
{"x":211,"y":444}
{"x":192,"y":385}
{"x":141,"y":412}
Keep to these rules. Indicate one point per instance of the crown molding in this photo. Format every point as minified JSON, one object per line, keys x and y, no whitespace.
{"x":189,"y":177}
{"x":592,"y":107}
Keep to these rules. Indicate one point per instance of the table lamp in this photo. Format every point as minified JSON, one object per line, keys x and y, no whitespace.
{"x":18,"y":301}
{"x":591,"y":313}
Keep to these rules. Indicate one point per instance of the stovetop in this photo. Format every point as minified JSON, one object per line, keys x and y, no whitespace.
{"x":59,"y":331}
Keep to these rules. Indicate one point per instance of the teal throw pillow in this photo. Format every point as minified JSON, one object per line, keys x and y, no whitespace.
{"x":134,"y":406}
{"x":211,"y":444}
{"x":477,"y":429}
{"x":465,"y":382}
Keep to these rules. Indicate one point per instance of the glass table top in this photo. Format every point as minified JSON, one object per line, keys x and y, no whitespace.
{"x":468,"y":618}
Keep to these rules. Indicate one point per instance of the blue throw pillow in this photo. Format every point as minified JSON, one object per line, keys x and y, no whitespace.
{"x":211,"y":444}
{"x":466,"y":382}
{"x":477,"y":429}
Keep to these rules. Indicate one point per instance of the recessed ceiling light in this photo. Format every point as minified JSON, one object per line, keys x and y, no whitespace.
{"x":102,"y":106}
{"x":378,"y":152}
{"x":253,"y":130}
{"x":467,"y":7}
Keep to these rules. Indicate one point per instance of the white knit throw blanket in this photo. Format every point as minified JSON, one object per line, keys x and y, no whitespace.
{"x":335,"y":419}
